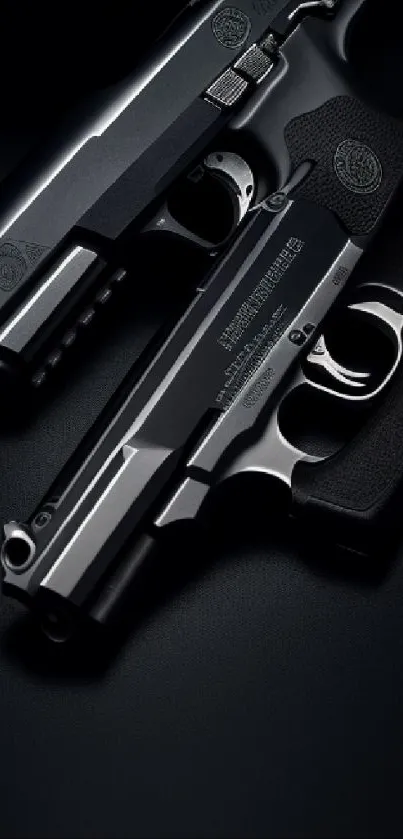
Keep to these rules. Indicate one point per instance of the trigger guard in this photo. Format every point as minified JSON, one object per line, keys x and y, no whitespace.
{"x":237,"y":175}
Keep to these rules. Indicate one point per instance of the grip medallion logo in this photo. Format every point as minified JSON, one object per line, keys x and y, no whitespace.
{"x":231,"y":27}
{"x":16,"y":258}
{"x":357,"y":167}
{"x":12,"y":266}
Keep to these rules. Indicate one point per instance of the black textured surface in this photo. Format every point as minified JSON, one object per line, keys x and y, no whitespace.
{"x":263,"y":700}
{"x":317,"y":135}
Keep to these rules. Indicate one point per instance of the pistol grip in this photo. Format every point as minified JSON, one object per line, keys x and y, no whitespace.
{"x":356,"y":495}
{"x":358,"y":156}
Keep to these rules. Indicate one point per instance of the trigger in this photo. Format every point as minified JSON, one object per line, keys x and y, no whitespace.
{"x":321,"y":356}
{"x":334,"y":371}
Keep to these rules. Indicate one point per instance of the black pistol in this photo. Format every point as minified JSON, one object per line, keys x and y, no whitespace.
{"x":311,"y":169}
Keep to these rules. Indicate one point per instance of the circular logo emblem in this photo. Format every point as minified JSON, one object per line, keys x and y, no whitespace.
{"x":231,"y":27}
{"x":12,"y":266}
{"x":358,"y":167}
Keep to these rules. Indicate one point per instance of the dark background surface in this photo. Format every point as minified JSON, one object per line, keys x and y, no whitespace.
{"x":263,"y":696}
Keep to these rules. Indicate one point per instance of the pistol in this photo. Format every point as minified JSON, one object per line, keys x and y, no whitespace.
{"x":309,"y":170}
